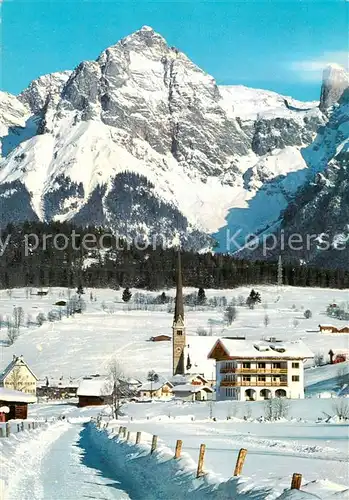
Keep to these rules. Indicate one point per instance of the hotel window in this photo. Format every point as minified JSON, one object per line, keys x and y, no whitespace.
{"x":295,"y":378}
{"x":179,"y":332}
{"x":246,"y":365}
{"x":295,"y":365}
{"x":261,"y":378}
{"x":246,"y":379}
{"x":261,"y":365}
{"x":229,"y":392}
{"x":276,"y":365}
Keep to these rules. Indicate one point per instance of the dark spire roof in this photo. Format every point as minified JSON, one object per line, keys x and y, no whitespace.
{"x":179,"y":308}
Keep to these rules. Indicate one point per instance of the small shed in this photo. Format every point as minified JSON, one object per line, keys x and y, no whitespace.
{"x":160,"y":338}
{"x":94,"y":391}
{"x":17,"y":403}
{"x":189,"y":392}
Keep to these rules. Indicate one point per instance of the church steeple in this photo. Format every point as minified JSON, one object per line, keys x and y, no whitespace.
{"x":178,"y":327}
{"x":179,"y":308}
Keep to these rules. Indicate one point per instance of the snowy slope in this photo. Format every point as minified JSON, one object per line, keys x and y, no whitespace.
{"x":144,"y":132}
{"x":83,"y":345}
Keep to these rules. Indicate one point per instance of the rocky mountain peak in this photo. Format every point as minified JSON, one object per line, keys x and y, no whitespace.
{"x":334,"y":82}
{"x":36,"y":94}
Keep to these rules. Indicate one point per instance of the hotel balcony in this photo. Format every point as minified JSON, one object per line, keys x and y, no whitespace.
{"x":258,"y":371}
{"x":237,"y":383}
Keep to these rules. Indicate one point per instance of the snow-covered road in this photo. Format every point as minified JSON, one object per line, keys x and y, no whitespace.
{"x":60,"y":465}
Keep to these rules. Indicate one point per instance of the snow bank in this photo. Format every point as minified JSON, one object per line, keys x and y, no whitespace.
{"x":15,"y":453}
{"x":150,"y":477}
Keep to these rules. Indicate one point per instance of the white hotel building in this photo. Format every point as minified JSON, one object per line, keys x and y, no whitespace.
{"x":255,"y":371}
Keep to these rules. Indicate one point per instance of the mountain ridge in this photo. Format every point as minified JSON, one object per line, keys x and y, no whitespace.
{"x":143,"y":122}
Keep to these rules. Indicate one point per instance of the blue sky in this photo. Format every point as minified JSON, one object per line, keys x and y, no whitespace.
{"x":274,"y":44}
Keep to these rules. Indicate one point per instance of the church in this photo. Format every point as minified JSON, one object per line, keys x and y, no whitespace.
{"x":189,"y":352}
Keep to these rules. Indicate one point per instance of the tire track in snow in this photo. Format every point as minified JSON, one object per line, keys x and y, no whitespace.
{"x":24,"y":469}
{"x":53,"y":466}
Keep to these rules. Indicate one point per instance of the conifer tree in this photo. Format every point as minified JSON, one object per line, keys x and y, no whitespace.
{"x":201,"y":296}
{"x":126,"y":295}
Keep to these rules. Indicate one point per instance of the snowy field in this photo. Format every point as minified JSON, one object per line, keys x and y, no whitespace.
{"x":82,"y":345}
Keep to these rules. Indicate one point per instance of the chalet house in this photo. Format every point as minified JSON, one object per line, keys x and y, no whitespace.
{"x":190,"y":392}
{"x":158,"y":390}
{"x":19,"y":377}
{"x":254,"y":371}
{"x":15,"y":403}
{"x":94,"y":391}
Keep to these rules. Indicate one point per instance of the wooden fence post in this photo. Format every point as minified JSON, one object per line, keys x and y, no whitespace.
{"x":22,"y":426}
{"x":240,"y":462}
{"x":201,"y":460}
{"x":178,"y":448}
{"x":128,"y":436}
{"x":8,"y":429}
{"x":120,"y":430}
{"x":138,"y":437}
{"x":296,"y":481}
{"x":18,"y":428}
{"x":1,"y":432}
{"x":154,"y":444}
{"x":125,"y":431}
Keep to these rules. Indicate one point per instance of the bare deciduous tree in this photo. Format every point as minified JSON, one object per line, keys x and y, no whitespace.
{"x":18,"y":316}
{"x":230,"y":314}
{"x":16,"y":380}
{"x":12,"y":333}
{"x":341,"y":408}
{"x":201,"y":332}
{"x":116,"y":386}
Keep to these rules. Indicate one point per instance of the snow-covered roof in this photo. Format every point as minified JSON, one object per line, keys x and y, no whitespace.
{"x":59,"y":382}
{"x":155,"y":386}
{"x":198,"y":348}
{"x":295,"y":349}
{"x":191,"y":388}
{"x":96,"y":386}
{"x":133,"y":381}
{"x":10,"y":395}
{"x":17,"y":361}
{"x":187,"y":378}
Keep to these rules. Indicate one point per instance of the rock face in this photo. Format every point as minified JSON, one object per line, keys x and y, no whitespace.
{"x":319,"y":213}
{"x":335,"y":81}
{"x":145,"y":142}
{"x":37,"y":93}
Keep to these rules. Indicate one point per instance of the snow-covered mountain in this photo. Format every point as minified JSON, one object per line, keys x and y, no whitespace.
{"x":144,"y":141}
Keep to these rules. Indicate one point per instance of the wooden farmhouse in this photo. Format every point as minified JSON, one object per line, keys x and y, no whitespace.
{"x":14,"y":404}
{"x":333,"y":329}
{"x":94,"y":391}
{"x":19,"y":376}
{"x":158,"y":390}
